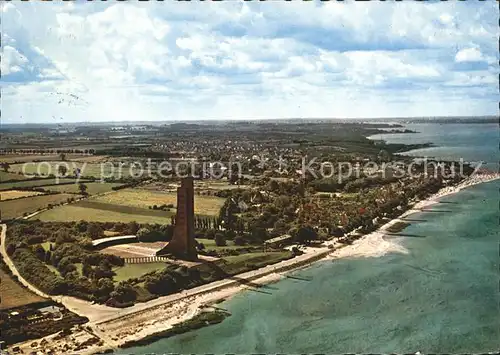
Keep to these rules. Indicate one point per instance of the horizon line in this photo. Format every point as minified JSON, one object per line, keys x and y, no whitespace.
{"x":250,"y":119}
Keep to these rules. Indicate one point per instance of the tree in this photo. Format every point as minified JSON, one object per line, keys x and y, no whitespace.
{"x":227,"y":213}
{"x":83,"y":189}
{"x":258,"y":234}
{"x":273,"y":186}
{"x":73,"y":275}
{"x":282,"y":202}
{"x":337,"y":232}
{"x":62,"y":170}
{"x":40,"y":252}
{"x":62,"y":156}
{"x":143,"y":234}
{"x":103,"y":270}
{"x":239,"y":240}
{"x":305,"y":235}
{"x":210,"y":234}
{"x":65,"y":266}
{"x":133,"y":227}
{"x":5,"y":166}
{"x":230,"y":235}
{"x":220,"y":240}
{"x":384,"y":156}
{"x":48,"y":256}
{"x":105,"y":285}
{"x":280,"y":226}
{"x":63,"y":236}
{"x":11,"y":248}
{"x":161,"y":284}
{"x":87,"y":270}
{"x":124,"y":293}
{"x":200,"y":246}
{"x":94,"y":230}
{"x":233,"y":179}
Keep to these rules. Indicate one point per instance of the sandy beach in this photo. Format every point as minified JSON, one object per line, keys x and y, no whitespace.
{"x":374,"y":244}
{"x":114,"y":328}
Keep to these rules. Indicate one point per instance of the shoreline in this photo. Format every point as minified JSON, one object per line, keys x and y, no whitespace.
{"x":374,"y":244}
{"x":161,"y":314}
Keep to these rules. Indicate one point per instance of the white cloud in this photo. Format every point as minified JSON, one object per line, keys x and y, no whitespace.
{"x":243,"y":60}
{"x":469,"y":55}
{"x":12,"y":61}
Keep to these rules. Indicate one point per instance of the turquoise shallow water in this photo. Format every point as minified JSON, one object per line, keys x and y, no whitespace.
{"x":440,"y":297}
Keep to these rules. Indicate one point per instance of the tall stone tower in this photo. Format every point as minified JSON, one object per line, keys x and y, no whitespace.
{"x":183,"y":244}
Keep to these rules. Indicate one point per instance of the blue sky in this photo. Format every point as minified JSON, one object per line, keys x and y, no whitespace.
{"x":110,"y":61}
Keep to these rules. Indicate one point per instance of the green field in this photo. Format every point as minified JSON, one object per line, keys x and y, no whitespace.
{"x":210,"y":244}
{"x":14,"y":194}
{"x":87,"y":169}
{"x":141,"y":198}
{"x":10,"y":176}
{"x":34,"y":183}
{"x":93,"y":188}
{"x":131,"y":271}
{"x":17,"y":208}
{"x":257,"y":260}
{"x":233,"y":265}
{"x":125,"y":206}
{"x":217,"y":185}
{"x":26,"y":158}
{"x":103,"y":213}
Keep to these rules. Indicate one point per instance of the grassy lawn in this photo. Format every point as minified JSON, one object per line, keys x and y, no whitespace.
{"x":17,"y":208}
{"x":203,"y":205}
{"x":93,"y":188}
{"x":131,"y":271}
{"x":210,"y":245}
{"x":14,"y":194}
{"x":77,"y":212}
{"x":234,"y":265}
{"x":14,"y":295}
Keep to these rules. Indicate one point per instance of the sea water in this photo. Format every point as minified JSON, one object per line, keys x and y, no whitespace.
{"x":442,"y":296}
{"x":452,"y":141}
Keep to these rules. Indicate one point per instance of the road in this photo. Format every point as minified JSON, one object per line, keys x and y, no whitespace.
{"x":99,"y":314}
